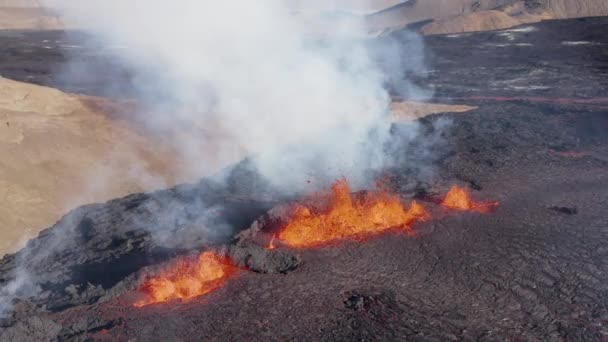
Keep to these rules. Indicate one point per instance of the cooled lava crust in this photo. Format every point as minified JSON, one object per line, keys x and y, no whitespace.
{"x":536,"y":268}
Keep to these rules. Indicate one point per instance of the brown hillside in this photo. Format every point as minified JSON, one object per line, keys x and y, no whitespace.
{"x":456,"y":16}
{"x":57,"y":151}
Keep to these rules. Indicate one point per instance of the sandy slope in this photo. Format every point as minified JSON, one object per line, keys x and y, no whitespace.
{"x":21,"y":18}
{"x":56,"y":151}
{"x":410,"y":110}
{"x":29,"y":15}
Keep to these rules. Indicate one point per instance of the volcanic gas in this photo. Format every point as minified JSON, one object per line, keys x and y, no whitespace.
{"x":186,"y":279}
{"x":460,"y":199}
{"x":347,"y":216}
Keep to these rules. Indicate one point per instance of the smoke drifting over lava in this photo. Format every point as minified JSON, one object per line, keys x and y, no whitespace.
{"x":460,"y":199}
{"x":256,"y":81}
{"x":187,"y":279}
{"x":344,"y":216}
{"x":221,"y":81}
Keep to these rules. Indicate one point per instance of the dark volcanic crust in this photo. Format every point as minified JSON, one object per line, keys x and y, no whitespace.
{"x":535,"y":269}
{"x":524,"y":271}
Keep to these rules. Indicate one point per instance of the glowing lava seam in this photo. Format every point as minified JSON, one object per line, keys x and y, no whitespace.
{"x":188,"y":278}
{"x":460,"y":199}
{"x":344,"y":216}
{"x":348,"y":217}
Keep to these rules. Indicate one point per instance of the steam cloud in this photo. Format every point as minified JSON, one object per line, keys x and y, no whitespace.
{"x":225,"y":80}
{"x":252,"y":79}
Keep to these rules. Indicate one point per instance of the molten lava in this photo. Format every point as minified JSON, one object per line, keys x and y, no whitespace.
{"x":570,"y":154}
{"x":271,"y":245}
{"x":460,"y":199}
{"x":188,"y":278}
{"x":348,"y":217}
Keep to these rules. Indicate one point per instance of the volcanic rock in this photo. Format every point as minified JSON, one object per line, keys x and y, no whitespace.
{"x":520,"y":272}
{"x":27,"y":322}
{"x":258,"y":259}
{"x":87,"y":326}
{"x":32,"y":328}
{"x":565,"y":210}
{"x":94,"y":247}
{"x":378,"y":314}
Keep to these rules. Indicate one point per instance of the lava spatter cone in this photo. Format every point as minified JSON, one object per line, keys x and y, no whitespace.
{"x":460,"y":199}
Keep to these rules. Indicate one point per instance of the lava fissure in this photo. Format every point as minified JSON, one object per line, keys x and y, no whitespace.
{"x":460,"y":199}
{"x":186,"y":279}
{"x":336,"y":215}
{"x":271,"y":244}
{"x":345,"y":216}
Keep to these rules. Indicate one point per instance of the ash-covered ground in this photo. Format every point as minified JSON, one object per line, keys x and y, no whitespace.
{"x":534,"y":269}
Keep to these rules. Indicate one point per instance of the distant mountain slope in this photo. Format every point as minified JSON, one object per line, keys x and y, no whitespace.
{"x":447,"y":16}
{"x":28,"y":18}
{"x":39,"y":14}
{"x":456,"y":16}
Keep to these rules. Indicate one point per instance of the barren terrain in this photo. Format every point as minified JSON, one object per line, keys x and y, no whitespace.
{"x":429,"y":16}
{"x":535,"y":268}
{"x":447,"y":16}
{"x":60,"y":148}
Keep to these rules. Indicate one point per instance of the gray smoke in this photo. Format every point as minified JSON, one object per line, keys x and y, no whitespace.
{"x":252,"y":79}
{"x":304,"y":97}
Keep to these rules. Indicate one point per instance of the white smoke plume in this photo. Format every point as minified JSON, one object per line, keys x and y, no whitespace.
{"x":251,"y":79}
{"x":303,"y":97}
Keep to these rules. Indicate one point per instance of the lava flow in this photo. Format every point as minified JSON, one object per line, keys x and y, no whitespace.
{"x":460,"y":199}
{"x":348,"y":217}
{"x":188,"y":278}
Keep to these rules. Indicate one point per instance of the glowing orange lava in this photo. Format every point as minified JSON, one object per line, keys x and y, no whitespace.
{"x":348,"y":217}
{"x":188,"y":278}
{"x":460,"y":199}
{"x":570,"y":154}
{"x":271,"y":245}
